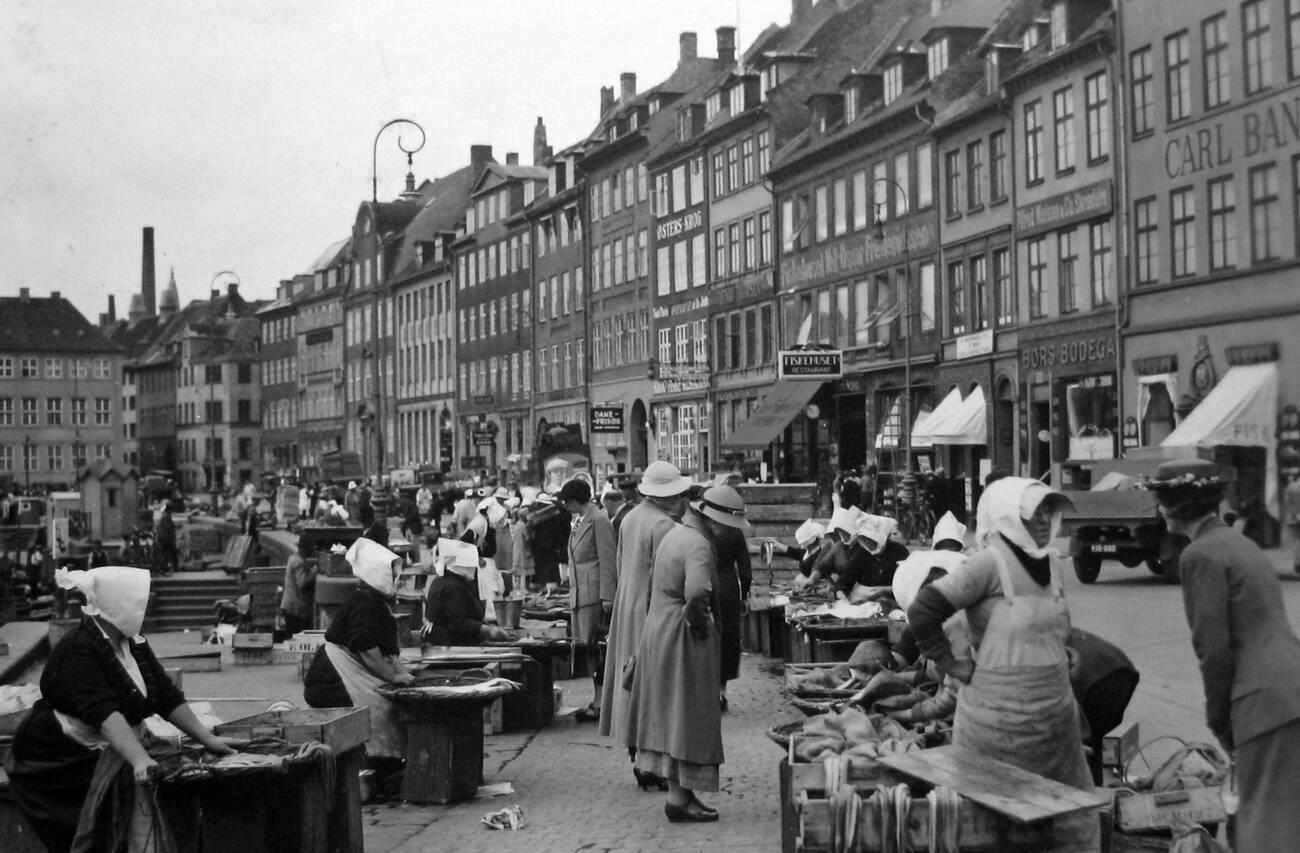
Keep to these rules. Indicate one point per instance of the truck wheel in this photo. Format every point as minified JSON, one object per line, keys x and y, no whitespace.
{"x":1087,"y":567}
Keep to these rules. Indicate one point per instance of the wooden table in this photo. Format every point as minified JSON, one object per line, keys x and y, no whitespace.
{"x":831,"y":641}
{"x":531,"y":708}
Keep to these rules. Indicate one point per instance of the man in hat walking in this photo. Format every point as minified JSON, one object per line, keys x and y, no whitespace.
{"x":592,"y":563}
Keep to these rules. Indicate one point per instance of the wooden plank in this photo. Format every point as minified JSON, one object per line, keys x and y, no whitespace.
{"x":1138,"y":812}
{"x":1020,"y":795}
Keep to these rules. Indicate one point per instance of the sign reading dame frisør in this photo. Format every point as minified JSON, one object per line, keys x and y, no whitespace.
{"x":800,"y":364}
{"x":607,"y":419}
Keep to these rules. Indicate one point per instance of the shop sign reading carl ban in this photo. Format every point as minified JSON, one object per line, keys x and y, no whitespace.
{"x":1074,"y":351}
{"x":826,"y":365}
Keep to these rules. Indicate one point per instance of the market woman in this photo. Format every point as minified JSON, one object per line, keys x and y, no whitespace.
{"x":453,"y":612}
{"x":1016,"y":705}
{"x":360,"y":654}
{"x":85,"y":734}
{"x":675,"y":723}
{"x":1249,"y":657}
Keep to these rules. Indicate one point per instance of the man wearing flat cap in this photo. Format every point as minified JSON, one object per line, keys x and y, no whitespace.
{"x":1249,"y":657}
{"x":592,"y":564}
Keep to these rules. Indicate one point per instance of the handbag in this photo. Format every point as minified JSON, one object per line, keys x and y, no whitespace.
{"x":629,"y":670}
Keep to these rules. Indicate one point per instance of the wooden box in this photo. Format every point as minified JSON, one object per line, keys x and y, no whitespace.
{"x":1120,"y":745}
{"x":1137,"y":812}
{"x":253,"y":641}
{"x":340,"y":729}
{"x":494,"y":717}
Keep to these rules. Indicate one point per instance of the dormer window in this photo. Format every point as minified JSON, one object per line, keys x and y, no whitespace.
{"x":683,"y":125}
{"x":850,"y":104}
{"x":712,"y":106}
{"x":937,"y":58}
{"x":633,"y":120}
{"x":654,"y":106}
{"x":893,"y":82}
{"x":1060,"y":32}
{"x":1029,"y":40}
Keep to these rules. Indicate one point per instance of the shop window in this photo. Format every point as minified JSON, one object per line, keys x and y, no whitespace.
{"x":1156,"y":410}
{"x":1091,"y":409}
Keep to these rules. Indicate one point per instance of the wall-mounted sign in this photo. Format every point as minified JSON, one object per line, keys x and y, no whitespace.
{"x":1156,"y":365}
{"x":858,"y":254}
{"x":483,"y":399}
{"x":1079,"y":351}
{"x":1251,"y":354}
{"x":471,"y":462}
{"x":606,"y":419}
{"x":1064,"y":208}
{"x":484,"y":439}
{"x":679,"y":225}
{"x":826,"y":365}
{"x":975,"y":344}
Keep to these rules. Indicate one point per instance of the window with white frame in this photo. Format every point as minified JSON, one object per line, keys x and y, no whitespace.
{"x":1063,"y":121}
{"x":1096,"y":97}
{"x":665,"y":345}
{"x":936,"y":56}
{"x":1060,"y":33}
{"x":6,"y":367}
{"x":893,"y":82}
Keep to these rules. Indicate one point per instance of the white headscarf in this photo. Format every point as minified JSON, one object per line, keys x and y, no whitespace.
{"x":845,"y":519}
{"x":809,"y":533}
{"x":912,"y":572}
{"x":948,"y":527}
{"x":119,"y":594}
{"x":374,"y":565}
{"x":496,"y":513}
{"x":465,"y":563}
{"x":877,"y":528}
{"x":1006,"y":504}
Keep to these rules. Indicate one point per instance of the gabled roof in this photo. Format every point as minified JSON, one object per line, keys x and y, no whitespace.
{"x":444,"y":212}
{"x":499,"y":173}
{"x":329,"y":257}
{"x":103,"y":469}
{"x":49,"y":324}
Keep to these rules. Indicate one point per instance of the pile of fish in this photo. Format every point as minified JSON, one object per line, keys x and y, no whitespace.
{"x":855,"y":734}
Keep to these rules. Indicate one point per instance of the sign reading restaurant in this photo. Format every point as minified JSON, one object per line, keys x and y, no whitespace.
{"x":826,"y":365}
{"x":1065,"y":208}
{"x":858,"y":254}
{"x":607,"y":419}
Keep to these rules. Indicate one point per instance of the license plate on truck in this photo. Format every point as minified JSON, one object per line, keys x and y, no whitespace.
{"x":1104,"y":549}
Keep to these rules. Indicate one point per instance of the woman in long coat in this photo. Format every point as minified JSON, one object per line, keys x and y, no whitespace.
{"x":1017,"y":705}
{"x":675,"y":723}
{"x":1249,"y":656}
{"x":643,"y":530}
{"x":735,"y":574}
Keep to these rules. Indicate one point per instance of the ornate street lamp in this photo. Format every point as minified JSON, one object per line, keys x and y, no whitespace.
{"x":374,"y":152}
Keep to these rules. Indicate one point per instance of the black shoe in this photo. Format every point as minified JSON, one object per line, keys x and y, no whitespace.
{"x":684,"y":814}
{"x":722,"y":701}
{"x":649,"y":781}
{"x":698,"y":804}
{"x":589,"y":714}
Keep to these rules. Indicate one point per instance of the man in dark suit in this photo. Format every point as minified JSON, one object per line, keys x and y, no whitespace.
{"x":593,"y":567}
{"x":1249,"y":657}
{"x":619,"y":501}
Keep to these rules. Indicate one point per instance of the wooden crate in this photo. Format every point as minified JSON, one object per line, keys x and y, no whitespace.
{"x":251,"y":657}
{"x":494,"y":717}
{"x":1138,"y":812}
{"x":252,"y":640}
{"x":340,"y":729}
{"x":1120,"y":745}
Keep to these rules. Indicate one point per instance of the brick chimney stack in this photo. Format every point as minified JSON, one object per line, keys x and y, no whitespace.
{"x":479,"y":157}
{"x":112,"y":308}
{"x":606,"y":100}
{"x":512,"y":158}
{"x":147,"y":285}
{"x":689,"y":47}
{"x":627,"y":86}
{"x":727,"y":45}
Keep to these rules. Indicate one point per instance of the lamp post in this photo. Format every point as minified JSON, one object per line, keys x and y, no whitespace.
{"x":906,"y":426}
{"x":213,"y":489}
{"x":377,"y":371}
{"x":27,"y":463}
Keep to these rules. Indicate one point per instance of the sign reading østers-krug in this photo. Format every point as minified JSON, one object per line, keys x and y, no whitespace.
{"x":826,"y":365}
{"x":607,"y":419}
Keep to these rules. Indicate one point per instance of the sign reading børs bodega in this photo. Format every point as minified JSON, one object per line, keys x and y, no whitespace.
{"x":607,"y":419}
{"x":799,"y":364}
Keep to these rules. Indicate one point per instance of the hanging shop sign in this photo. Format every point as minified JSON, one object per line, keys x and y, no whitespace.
{"x":471,"y":462}
{"x":607,"y":419}
{"x":826,"y":365}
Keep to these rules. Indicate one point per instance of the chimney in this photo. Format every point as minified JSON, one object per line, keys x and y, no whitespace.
{"x":606,"y":100}
{"x":54,"y":294}
{"x":479,"y":157}
{"x":798,"y":9}
{"x":112,"y":308}
{"x":216,"y":294}
{"x":232,"y":289}
{"x":24,"y":293}
{"x":689,"y":47}
{"x":539,"y":143}
{"x":146,"y":274}
{"x":137,"y":308}
{"x":512,"y":158}
{"x":627,"y":86}
{"x":727,"y":45}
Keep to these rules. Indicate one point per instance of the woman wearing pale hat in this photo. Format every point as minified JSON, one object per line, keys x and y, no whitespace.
{"x":663,"y":490}
{"x":675,"y":721}
{"x":1016,"y":704}
{"x":360,"y":654}
{"x":99,"y":684}
{"x":1249,"y":656}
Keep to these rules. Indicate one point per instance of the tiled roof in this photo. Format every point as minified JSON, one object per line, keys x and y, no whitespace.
{"x":49,"y":324}
{"x":443,"y":212}
{"x":327,"y":258}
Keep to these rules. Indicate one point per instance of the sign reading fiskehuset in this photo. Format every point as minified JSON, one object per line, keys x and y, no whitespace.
{"x":799,"y":364}
{"x":607,"y":419}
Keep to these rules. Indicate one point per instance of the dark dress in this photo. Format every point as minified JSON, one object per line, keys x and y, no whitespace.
{"x":362,"y":622}
{"x":871,"y":569}
{"x":550,"y":543}
{"x":453,"y":612}
{"x":734,"y":576}
{"x":50,"y":773}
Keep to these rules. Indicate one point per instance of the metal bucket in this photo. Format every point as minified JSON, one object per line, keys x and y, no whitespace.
{"x":508,"y":612}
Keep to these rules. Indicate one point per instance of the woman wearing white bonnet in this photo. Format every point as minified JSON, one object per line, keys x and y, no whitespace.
{"x":98,"y":686}
{"x":875,"y":555}
{"x":360,"y":654}
{"x":808,"y":545}
{"x":1017,"y":705}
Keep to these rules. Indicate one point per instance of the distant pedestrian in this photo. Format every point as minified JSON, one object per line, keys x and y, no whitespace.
{"x":592,"y":562}
{"x":298,"y":599}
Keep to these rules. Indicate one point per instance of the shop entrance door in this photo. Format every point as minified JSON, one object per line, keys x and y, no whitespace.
{"x":1040,"y":438}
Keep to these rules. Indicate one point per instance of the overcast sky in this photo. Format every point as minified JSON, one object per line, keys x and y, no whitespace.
{"x":242,"y":132}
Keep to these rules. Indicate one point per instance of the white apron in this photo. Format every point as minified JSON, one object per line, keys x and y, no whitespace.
{"x":387,"y":736}
{"x":1019,"y":707}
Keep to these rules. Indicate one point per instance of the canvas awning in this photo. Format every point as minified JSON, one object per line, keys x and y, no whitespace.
{"x":920,"y":439}
{"x":1240,"y":411}
{"x":922,"y":432}
{"x":781,"y":403}
{"x":964,"y":424}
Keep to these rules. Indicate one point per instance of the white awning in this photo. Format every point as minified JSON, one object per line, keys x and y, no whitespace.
{"x":922,"y":432}
{"x":966,"y":424}
{"x":1240,"y":411}
{"x":920,"y":439}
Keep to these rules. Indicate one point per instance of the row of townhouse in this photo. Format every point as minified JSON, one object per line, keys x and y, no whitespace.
{"x":1027,"y":234}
